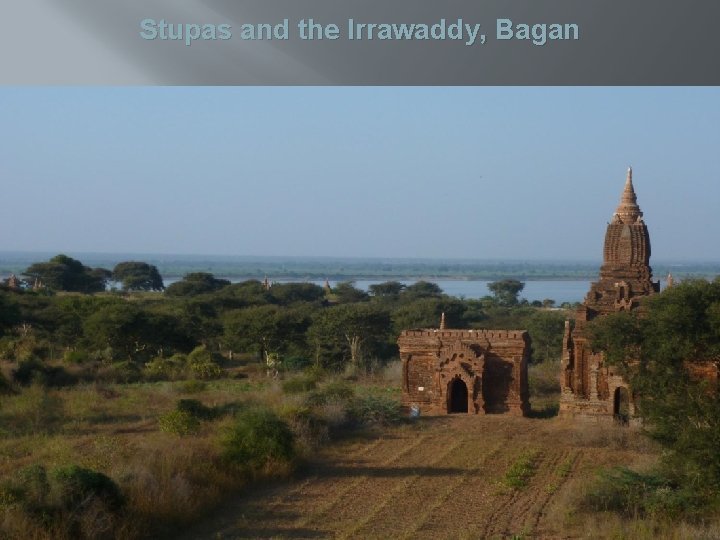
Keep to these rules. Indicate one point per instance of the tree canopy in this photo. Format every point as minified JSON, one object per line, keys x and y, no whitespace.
{"x":138,"y":276}
{"x":506,"y":291}
{"x":196,"y":283}
{"x":662,"y":349}
{"x":64,"y":273}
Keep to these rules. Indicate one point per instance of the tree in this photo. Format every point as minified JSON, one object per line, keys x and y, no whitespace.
{"x":266,"y":329}
{"x":290,"y":293}
{"x":138,"y":276}
{"x":426,"y":313}
{"x":663,"y":348}
{"x":506,"y":291}
{"x":422,"y":289}
{"x":134,"y":333}
{"x":387,"y":290}
{"x":346,"y":293}
{"x":64,"y":273}
{"x":9,"y":312}
{"x":546,"y":332}
{"x":349,"y":332}
{"x":196,"y":283}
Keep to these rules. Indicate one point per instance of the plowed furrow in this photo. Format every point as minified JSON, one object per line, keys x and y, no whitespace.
{"x":284,"y":508}
{"x":519,"y":515}
{"x":422,"y":507}
{"x":386,"y":512}
{"x":559,"y":481}
{"x":374,"y":483}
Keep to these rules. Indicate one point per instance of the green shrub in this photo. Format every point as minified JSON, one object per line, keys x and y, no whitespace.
{"x":295,"y":363}
{"x":522,"y":470}
{"x":5,"y":387}
{"x":34,"y":409}
{"x":34,"y":482}
{"x":201,"y":364}
{"x":120,"y":372}
{"x":308,"y":426}
{"x":336,"y":391}
{"x":257,"y":438}
{"x":76,"y":357}
{"x":196,"y":409}
{"x":27,"y":488}
{"x":193,"y":386}
{"x":34,"y":370}
{"x":179,"y":423}
{"x":75,"y":486}
{"x":315,"y":372}
{"x":634,"y":494}
{"x":298,"y":385}
{"x":165,"y":368}
{"x":375,"y":410}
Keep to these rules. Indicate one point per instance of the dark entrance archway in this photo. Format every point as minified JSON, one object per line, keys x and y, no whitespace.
{"x":457,"y":396}
{"x":621,"y":405}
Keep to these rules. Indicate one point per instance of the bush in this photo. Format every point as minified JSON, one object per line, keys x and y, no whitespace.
{"x":257,"y":438}
{"x":202,"y":365}
{"x":120,"y":372}
{"x":75,"y":486}
{"x":33,"y":410}
{"x":196,"y":409}
{"x":165,"y":368}
{"x":27,"y":489}
{"x":634,"y":494}
{"x":193,"y":386}
{"x":33,"y":370}
{"x":295,"y":363}
{"x":178,"y":422}
{"x":298,"y":385}
{"x":315,"y":372}
{"x":337,"y":391}
{"x":522,"y":470}
{"x":5,"y":387}
{"x":75,"y":357}
{"x":31,"y":487}
{"x":309,"y":427}
{"x":375,"y":410}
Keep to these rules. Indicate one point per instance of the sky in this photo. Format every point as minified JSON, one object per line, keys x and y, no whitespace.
{"x":474,"y":173}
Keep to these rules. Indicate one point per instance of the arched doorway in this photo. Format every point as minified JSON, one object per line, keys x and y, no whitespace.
{"x":621,"y":405}
{"x":457,"y":396}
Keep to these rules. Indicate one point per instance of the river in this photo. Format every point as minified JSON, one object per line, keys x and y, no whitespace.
{"x":558,"y":290}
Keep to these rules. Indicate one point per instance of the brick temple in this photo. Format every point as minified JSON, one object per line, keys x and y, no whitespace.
{"x":465,"y":371}
{"x":590,"y":388}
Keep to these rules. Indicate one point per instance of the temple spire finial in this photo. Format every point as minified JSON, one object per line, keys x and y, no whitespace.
{"x":628,"y":210}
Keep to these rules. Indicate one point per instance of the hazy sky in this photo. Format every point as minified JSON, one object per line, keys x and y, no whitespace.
{"x":521,"y":173}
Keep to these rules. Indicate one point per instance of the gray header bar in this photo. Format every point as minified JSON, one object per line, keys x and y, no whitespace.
{"x":360,"y":42}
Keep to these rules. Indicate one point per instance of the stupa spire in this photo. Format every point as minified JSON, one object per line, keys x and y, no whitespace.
{"x":628,"y":210}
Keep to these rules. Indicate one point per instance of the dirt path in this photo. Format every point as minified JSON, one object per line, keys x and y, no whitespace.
{"x":441,"y":478}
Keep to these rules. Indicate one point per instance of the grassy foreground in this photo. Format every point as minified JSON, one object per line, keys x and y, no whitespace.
{"x":174,"y":450}
{"x":183,"y":461}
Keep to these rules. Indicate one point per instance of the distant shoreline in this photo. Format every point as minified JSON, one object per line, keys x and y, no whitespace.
{"x":237,"y":268}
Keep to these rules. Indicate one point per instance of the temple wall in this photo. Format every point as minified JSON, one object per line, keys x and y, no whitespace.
{"x":491,"y":363}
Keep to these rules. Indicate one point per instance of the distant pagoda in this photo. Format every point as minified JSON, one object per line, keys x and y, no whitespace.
{"x":590,"y":388}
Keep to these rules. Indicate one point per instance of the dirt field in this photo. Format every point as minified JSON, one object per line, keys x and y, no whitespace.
{"x":449,"y":477}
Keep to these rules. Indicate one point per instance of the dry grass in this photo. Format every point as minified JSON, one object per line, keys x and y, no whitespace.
{"x":167,"y":481}
{"x":437,"y":478}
